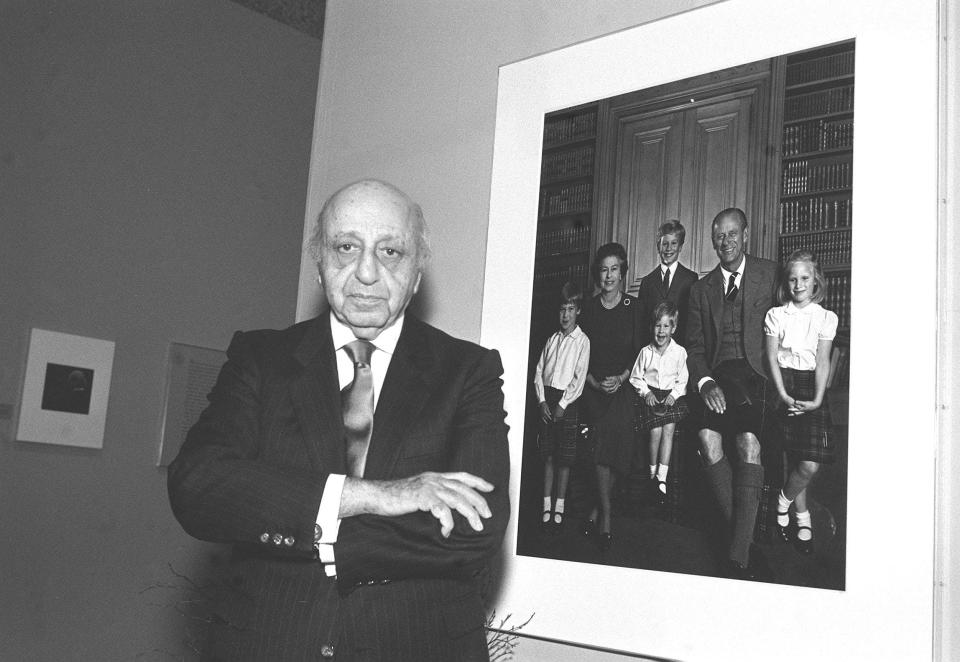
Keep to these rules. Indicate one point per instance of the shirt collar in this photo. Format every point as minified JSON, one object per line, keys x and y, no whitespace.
{"x":791,"y":308}
{"x":740,"y":270}
{"x":672,"y":269}
{"x":385,"y":342}
{"x":576,"y":333}
{"x":669,"y":348}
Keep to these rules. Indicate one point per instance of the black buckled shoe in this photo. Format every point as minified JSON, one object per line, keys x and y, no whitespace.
{"x":805,"y":547}
{"x":785,"y":533}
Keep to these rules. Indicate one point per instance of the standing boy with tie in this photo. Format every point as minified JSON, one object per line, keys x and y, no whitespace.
{"x":668,"y":281}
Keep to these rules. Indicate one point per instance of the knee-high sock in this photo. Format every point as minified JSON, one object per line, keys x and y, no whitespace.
{"x":747,"y":488}
{"x":720,"y":479}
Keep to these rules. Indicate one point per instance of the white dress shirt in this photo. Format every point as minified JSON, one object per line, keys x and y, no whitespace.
{"x":662,"y":371}
{"x":799,"y":331}
{"x":563,"y":365}
{"x":328,"y":515}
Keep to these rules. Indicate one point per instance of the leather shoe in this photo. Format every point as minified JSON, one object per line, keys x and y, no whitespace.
{"x":803,"y":546}
{"x":589,"y":528}
{"x":605,"y":541}
{"x":759,"y":566}
{"x":736,"y":570}
{"x":557,"y":522}
{"x":784,"y":532}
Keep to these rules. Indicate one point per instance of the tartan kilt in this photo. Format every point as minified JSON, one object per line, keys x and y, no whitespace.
{"x":560,"y":439}
{"x":808,"y":436}
{"x":649,"y":419}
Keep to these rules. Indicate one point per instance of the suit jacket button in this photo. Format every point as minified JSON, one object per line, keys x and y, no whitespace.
{"x":277,"y":539}
{"x":288,"y":541}
{"x":326,"y":651}
{"x":317,"y":532}
{"x":264,"y":537}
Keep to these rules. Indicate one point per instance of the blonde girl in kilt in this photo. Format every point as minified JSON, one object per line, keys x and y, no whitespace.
{"x":800,"y":337}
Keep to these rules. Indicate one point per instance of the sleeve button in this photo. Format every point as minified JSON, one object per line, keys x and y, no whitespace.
{"x":288,"y":541}
{"x":277,"y":539}
{"x":264,"y":537}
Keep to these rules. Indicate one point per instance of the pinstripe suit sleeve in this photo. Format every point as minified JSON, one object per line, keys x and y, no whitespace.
{"x":371,"y":547}
{"x":224,"y":486}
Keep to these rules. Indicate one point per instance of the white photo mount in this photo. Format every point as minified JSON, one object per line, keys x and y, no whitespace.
{"x":887,"y":608}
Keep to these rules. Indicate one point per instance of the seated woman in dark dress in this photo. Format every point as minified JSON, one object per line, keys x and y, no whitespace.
{"x":611,"y":321}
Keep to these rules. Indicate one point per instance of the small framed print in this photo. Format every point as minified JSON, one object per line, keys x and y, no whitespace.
{"x":65,"y":389}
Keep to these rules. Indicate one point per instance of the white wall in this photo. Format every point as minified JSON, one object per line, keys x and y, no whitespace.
{"x":408,"y":94}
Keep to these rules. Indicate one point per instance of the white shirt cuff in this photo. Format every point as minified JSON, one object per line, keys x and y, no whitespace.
{"x":703,"y":380}
{"x":328,"y":522}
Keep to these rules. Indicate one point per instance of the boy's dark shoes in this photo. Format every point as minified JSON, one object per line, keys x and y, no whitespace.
{"x":557,"y":522}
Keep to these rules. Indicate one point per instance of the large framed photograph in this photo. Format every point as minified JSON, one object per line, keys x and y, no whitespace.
{"x":785,"y":111}
{"x":65,"y":389}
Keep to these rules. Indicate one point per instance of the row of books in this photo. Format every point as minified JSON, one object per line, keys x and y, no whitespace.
{"x":571,"y":127}
{"x":808,"y":214}
{"x":563,"y":241}
{"x":574,"y":163}
{"x":831,"y":248}
{"x":801,"y":177}
{"x":838,"y":297}
{"x":834,"y":100}
{"x":817,"y":135}
{"x":547,"y":282}
{"x":828,"y":66}
{"x":567,"y":200}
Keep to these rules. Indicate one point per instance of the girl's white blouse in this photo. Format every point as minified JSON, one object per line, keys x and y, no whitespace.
{"x":799,"y":330}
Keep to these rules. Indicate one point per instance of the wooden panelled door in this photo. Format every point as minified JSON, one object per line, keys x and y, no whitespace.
{"x":681,"y":153}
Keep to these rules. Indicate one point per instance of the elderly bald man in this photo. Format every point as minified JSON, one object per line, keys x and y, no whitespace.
{"x":357,"y":462}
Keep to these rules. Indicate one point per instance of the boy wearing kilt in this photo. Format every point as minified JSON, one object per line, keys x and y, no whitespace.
{"x":558,"y":381}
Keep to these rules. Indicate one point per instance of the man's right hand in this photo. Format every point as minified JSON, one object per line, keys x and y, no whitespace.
{"x":713,"y":397}
{"x":440,"y":494}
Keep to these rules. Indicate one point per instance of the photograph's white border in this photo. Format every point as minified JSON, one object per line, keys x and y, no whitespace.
{"x":886,"y":611}
{"x":57,"y":427}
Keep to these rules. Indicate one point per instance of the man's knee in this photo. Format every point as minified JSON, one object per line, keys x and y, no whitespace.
{"x":711,"y":446}
{"x":748,"y":448}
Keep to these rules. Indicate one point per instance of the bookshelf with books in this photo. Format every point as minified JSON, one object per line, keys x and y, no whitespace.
{"x":565,"y":212}
{"x":816,"y":209}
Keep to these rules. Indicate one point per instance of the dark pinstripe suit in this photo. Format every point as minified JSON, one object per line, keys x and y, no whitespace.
{"x":253,"y":469}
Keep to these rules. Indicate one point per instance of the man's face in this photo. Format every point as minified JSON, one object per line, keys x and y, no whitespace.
{"x":669,"y":249}
{"x":369,"y":262}
{"x":729,"y":241}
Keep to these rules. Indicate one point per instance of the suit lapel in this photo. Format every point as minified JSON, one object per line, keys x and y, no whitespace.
{"x":406,"y":389}
{"x":316,"y":398}
{"x":715,"y":283}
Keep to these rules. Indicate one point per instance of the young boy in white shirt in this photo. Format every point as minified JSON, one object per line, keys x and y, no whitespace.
{"x":660,"y":377}
{"x":558,"y":381}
